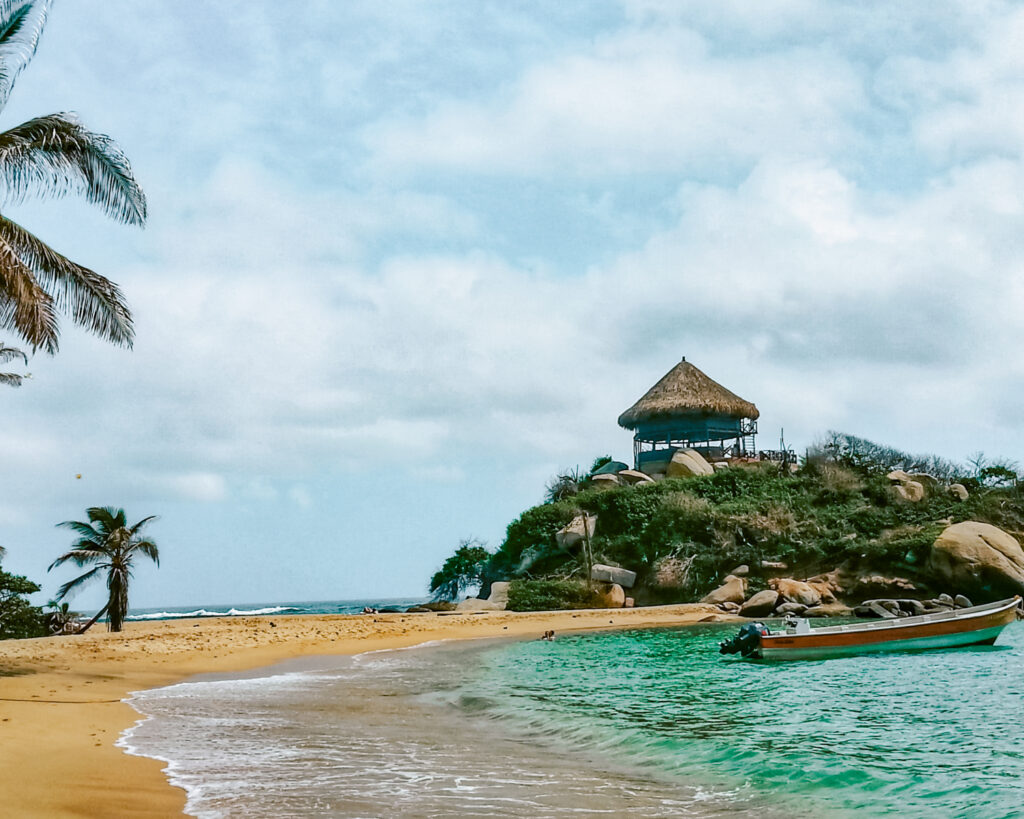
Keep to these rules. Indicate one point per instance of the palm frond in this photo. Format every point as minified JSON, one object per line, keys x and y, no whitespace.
{"x":11,"y":379}
{"x":25,"y":306}
{"x":21,"y":23}
{"x":54,"y":155}
{"x":62,"y":592}
{"x":10,"y":353}
{"x":134,"y":530}
{"x":148,"y":548}
{"x":83,"y":529}
{"x":79,"y":557}
{"x":92,"y":301}
{"x":107,"y":518}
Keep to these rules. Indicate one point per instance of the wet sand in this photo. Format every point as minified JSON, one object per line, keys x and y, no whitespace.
{"x":60,"y":697}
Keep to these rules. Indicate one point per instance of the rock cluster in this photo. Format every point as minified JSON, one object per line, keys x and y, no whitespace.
{"x":914,"y":487}
{"x":889,"y":609}
{"x":815,"y":597}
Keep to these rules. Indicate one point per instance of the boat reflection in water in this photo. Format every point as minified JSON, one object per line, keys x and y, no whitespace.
{"x":977,"y":625}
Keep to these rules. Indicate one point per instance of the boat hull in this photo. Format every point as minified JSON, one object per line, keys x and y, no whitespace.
{"x":967,"y":627}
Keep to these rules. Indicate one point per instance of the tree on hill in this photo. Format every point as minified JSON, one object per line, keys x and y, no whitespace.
{"x":52,"y":156}
{"x":463,"y":569}
{"x":112,"y":545}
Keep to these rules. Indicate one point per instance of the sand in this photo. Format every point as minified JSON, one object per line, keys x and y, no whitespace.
{"x":61,"y":708}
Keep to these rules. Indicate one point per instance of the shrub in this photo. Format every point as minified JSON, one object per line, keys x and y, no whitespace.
{"x":535,"y":527}
{"x":463,"y":569}
{"x":549,"y":595}
{"x":19,"y":618}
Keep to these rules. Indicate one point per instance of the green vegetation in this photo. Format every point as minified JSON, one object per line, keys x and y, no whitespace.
{"x":549,"y":595}
{"x":112,"y":545}
{"x":838,"y":508}
{"x":18,"y":617}
{"x":463,"y":569}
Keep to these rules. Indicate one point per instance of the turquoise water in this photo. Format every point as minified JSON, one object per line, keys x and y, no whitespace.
{"x":631,"y":723}
{"x":928,"y":734}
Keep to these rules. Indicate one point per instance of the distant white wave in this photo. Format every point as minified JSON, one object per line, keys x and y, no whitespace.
{"x":168,"y":615}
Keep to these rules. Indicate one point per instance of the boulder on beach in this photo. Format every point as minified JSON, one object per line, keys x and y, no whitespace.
{"x":796,"y":591}
{"x":733,"y":590}
{"x":796,"y":609}
{"x":613,"y":597}
{"x":613,"y":574}
{"x":499,"y":594}
{"x":476,"y":604}
{"x":761,"y":604}
{"x":979,"y":558}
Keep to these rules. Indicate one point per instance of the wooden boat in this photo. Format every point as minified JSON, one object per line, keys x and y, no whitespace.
{"x":978,"y":625}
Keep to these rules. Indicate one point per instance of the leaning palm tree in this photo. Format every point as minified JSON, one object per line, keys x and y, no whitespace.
{"x":8,"y":354}
{"x":52,"y":156}
{"x":111,"y":544}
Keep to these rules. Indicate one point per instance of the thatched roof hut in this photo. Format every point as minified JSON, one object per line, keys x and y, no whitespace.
{"x":686,"y":409}
{"x":685,"y":390}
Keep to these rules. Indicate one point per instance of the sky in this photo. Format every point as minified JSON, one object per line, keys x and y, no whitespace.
{"x":406,"y":261}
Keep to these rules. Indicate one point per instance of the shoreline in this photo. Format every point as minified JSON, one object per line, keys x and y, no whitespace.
{"x":63,"y":699}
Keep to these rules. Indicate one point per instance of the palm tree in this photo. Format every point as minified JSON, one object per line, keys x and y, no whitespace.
{"x":111,"y":544}
{"x":7,"y":354}
{"x":52,"y":156}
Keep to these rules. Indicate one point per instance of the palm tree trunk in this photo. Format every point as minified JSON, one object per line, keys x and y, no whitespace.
{"x":88,"y":625}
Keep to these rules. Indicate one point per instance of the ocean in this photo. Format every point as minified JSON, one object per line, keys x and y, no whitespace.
{"x":627,"y":723}
{"x":252,"y":609}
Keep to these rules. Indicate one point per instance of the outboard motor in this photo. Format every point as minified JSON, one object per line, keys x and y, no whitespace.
{"x":747,"y":642}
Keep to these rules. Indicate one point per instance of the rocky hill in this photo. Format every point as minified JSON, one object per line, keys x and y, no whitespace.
{"x":827,"y":536}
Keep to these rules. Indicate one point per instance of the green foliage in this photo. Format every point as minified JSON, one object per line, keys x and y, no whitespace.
{"x":550,"y":595}
{"x":536,"y":527}
{"x":839,"y":508}
{"x":18,"y":617}
{"x":463,"y":569}
{"x":599,"y":462}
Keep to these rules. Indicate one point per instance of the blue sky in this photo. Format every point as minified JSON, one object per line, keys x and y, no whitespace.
{"x":407,"y":260}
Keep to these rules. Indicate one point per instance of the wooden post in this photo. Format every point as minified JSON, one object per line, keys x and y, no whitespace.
{"x":588,"y":553}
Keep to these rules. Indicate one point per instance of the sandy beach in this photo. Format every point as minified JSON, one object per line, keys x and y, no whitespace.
{"x":61,"y":708}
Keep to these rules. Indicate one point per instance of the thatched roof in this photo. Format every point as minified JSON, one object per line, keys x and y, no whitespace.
{"x":685,"y":390}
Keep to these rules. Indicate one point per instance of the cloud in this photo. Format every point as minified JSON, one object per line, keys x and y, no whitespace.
{"x":641,"y":102}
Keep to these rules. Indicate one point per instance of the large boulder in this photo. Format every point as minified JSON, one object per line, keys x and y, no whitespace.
{"x":572,"y":534}
{"x":613,"y":597}
{"x":613,"y":574}
{"x":959,"y":491}
{"x":733,"y":590}
{"x":605,"y":481}
{"x":796,"y":591}
{"x":761,"y":604}
{"x":499,"y":594}
{"x":688,"y":463}
{"x":980,"y":559}
{"x":633,"y":477}
{"x":910,"y":491}
{"x":476,"y":604}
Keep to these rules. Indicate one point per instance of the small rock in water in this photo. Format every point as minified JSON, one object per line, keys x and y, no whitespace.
{"x":961,"y":602}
